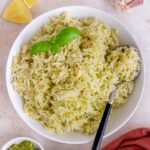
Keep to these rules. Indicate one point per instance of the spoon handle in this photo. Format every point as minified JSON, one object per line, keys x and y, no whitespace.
{"x":101,"y":129}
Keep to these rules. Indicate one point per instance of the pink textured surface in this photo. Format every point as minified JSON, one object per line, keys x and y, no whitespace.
{"x":138,"y":22}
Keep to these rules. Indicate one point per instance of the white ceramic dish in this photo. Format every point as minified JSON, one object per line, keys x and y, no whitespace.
{"x":119,"y":117}
{"x":21,"y":139}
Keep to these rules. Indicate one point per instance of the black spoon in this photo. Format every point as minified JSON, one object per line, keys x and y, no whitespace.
{"x":101,"y":130}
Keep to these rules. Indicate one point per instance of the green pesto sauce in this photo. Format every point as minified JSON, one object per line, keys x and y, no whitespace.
{"x":25,"y":145}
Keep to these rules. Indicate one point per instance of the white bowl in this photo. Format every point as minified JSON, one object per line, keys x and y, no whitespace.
{"x":21,"y":139}
{"x":119,"y":117}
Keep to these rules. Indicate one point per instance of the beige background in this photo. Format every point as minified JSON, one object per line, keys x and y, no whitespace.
{"x":138,"y":23}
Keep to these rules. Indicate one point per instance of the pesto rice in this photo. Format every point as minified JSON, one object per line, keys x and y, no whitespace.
{"x":68,"y":91}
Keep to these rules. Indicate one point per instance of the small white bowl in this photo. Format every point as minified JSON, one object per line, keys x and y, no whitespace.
{"x":119,"y":117}
{"x":21,"y":139}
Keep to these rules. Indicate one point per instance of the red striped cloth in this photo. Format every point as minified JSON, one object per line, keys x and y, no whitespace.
{"x":138,"y":139}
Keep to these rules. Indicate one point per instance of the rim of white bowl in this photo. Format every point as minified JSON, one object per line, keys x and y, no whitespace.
{"x":91,"y":139}
{"x":19,"y":140}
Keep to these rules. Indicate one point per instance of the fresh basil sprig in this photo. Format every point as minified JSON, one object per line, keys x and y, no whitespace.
{"x":55,"y":43}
